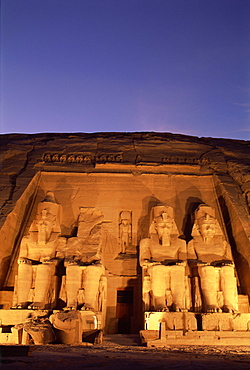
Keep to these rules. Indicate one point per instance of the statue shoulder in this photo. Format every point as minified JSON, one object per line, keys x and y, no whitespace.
{"x":182,"y":243}
{"x":144,"y":242}
{"x":26,"y":240}
{"x":73,"y":241}
{"x":61,"y":241}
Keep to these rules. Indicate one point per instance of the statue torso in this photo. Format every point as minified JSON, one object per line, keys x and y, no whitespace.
{"x":160,"y":253}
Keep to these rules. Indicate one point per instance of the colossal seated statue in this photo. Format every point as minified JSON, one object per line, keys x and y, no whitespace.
{"x":37,"y":258}
{"x":83,"y":261}
{"x":210,"y":254}
{"x":163,"y":260}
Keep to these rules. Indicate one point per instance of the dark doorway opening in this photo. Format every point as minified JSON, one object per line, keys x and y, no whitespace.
{"x":124,"y":309}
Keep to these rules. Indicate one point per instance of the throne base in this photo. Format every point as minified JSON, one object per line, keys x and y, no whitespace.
{"x":187,"y":328}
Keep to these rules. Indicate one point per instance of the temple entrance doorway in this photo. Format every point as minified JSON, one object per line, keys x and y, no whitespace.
{"x":124,"y":309}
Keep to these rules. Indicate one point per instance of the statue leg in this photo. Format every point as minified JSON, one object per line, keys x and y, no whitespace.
{"x":158,"y":275}
{"x":229,"y":288}
{"x":178,"y":287}
{"x":44,"y":274}
{"x":73,"y":284}
{"x":209,"y":287}
{"x":24,"y":283}
{"x":91,"y":279}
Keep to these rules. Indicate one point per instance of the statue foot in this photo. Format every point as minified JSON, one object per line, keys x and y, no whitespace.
{"x":230,"y":310}
{"x":69,"y":308}
{"x":163,"y":309}
{"x":212,"y":309}
{"x":177,"y":309}
{"x":87,"y":308}
{"x":36,"y":306}
{"x":20,"y":306}
{"x":33,"y":307}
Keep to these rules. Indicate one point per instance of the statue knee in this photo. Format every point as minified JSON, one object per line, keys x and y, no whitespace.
{"x":94,"y":272}
{"x":227,"y":271}
{"x":46,"y":268}
{"x":157,"y":271}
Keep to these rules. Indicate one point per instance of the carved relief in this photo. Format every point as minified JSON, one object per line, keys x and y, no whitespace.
{"x":125,"y":230}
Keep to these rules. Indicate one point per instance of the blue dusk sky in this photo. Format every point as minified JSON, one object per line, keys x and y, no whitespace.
{"x":180,"y":66}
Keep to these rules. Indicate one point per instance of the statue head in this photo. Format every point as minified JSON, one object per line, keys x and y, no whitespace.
{"x":206,"y":223}
{"x":47,"y":219}
{"x":125,"y":218}
{"x":163,"y":223}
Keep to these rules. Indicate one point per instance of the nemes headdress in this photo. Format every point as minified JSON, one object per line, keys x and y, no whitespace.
{"x":161,"y":213}
{"x":48,"y":210}
{"x":125,"y":215}
{"x":200,"y":213}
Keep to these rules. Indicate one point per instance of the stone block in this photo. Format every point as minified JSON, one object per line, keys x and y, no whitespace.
{"x":14,"y":317}
{"x":184,"y":321}
{"x":11,"y":337}
{"x":243,"y":303}
{"x":226,"y":322}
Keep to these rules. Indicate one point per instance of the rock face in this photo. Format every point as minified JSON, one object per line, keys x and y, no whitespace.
{"x":123,"y":176}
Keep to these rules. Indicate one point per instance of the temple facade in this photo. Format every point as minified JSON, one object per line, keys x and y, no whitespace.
{"x":125,"y":232}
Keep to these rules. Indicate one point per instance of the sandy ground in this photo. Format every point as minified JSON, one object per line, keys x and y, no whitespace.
{"x":125,"y":352}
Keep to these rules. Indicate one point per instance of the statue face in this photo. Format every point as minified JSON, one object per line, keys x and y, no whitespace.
{"x":44,"y":226}
{"x":207,"y":226}
{"x":163,"y":227}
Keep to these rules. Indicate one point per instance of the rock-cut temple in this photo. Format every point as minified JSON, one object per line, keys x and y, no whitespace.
{"x":125,"y":233}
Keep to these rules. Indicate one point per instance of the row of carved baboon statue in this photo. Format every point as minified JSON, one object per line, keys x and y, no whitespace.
{"x":176,"y":276}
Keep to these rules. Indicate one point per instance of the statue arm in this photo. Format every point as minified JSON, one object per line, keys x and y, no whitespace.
{"x":228,"y":254}
{"x":191,"y":255}
{"x":145,"y":254}
{"x":61,"y":248}
{"x":182,"y":253}
{"x":24,"y":251}
{"x":99,"y":256}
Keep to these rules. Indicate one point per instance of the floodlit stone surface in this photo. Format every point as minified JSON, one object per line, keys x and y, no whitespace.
{"x":104,"y":188}
{"x":36,"y":282}
{"x":210,"y":255}
{"x":163,"y":259}
{"x":83,"y":261}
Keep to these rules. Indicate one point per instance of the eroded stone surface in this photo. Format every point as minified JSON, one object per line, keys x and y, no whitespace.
{"x":123,"y":176}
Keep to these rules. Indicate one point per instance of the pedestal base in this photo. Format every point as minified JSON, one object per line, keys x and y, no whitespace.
{"x":186,"y":328}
